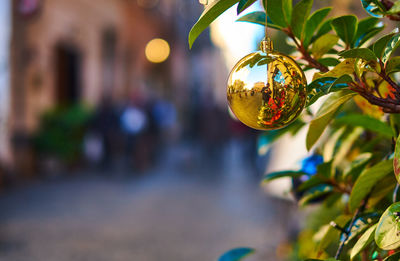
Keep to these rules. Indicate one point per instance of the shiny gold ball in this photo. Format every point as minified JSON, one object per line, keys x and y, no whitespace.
{"x":267,"y":91}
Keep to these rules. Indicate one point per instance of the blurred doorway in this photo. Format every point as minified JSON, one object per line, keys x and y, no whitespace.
{"x":68,"y":74}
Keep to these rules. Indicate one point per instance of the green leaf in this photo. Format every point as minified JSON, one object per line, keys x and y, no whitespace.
{"x":345,"y":27}
{"x":236,"y":254}
{"x":287,"y":6}
{"x":275,"y":12}
{"x":258,"y":17}
{"x":323,"y":44}
{"x":315,"y":193}
{"x":312,"y":24}
{"x":391,"y":46}
{"x":328,"y":233}
{"x":310,"y":183}
{"x":363,"y":53}
{"x":387,"y":234}
{"x":363,"y":241}
{"x":326,"y":85}
{"x":282,"y":174}
{"x":322,"y":83}
{"x":345,"y":67}
{"x":365,"y":26}
{"x":212,"y":11}
{"x":244,"y":4}
{"x":384,"y":187}
{"x":393,"y":65}
{"x":331,"y":144}
{"x":396,"y":160}
{"x":357,"y":165}
{"x":325,"y":115}
{"x":367,"y":180}
{"x":299,"y":16}
{"x":325,"y":28}
{"x":325,"y":169}
{"x":346,"y":145}
{"x":329,"y":61}
{"x":395,"y":256}
{"x":367,"y":122}
{"x":370,"y":34}
{"x":380,"y":45}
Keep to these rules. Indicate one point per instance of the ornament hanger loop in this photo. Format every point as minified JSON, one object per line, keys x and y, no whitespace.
{"x":266,"y":44}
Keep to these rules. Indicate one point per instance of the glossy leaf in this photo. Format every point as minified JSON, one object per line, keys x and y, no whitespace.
{"x":363,"y":53}
{"x":391,"y":46}
{"x":393,"y":65}
{"x":281,"y":174}
{"x":365,"y":26}
{"x":345,"y":27}
{"x":368,"y":36}
{"x":275,"y":12}
{"x":380,"y":45}
{"x":211,"y":12}
{"x":323,"y":44}
{"x":387,"y":234}
{"x":361,"y":224}
{"x":345,"y":67}
{"x":258,"y":17}
{"x":244,"y":4}
{"x":236,"y":254}
{"x":300,"y":14}
{"x":312,"y":24}
{"x":367,"y":122}
{"x":363,"y":241}
{"x":325,"y":115}
{"x":322,"y":83}
{"x":325,"y":28}
{"x":315,"y":193}
{"x":396,"y":160}
{"x":367,"y":180}
{"x":329,"y":61}
{"x":374,"y":7}
{"x":287,"y":6}
{"x":325,"y":85}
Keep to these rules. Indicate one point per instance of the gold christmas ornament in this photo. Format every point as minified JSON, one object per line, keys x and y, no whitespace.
{"x":267,"y":89}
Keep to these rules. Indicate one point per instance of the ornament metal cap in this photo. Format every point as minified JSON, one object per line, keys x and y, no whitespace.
{"x":266,"y":45}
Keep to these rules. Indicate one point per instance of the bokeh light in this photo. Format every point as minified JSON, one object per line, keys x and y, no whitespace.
{"x":157,"y":50}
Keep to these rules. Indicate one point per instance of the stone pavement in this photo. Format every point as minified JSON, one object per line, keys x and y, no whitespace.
{"x":172,"y":213}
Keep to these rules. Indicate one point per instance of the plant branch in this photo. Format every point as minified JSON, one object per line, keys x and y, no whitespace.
{"x":306,"y":56}
{"x":387,"y":104}
{"x":348,"y":229}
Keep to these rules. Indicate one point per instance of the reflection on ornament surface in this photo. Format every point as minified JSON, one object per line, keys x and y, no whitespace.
{"x":266,"y":91}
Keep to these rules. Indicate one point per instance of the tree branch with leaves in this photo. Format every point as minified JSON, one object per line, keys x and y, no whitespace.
{"x":356,"y":183}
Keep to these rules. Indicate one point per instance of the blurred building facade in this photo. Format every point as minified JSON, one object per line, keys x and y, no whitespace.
{"x":84,"y":51}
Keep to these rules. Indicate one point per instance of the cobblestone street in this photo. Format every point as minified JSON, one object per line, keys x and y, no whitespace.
{"x":171,"y":213}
